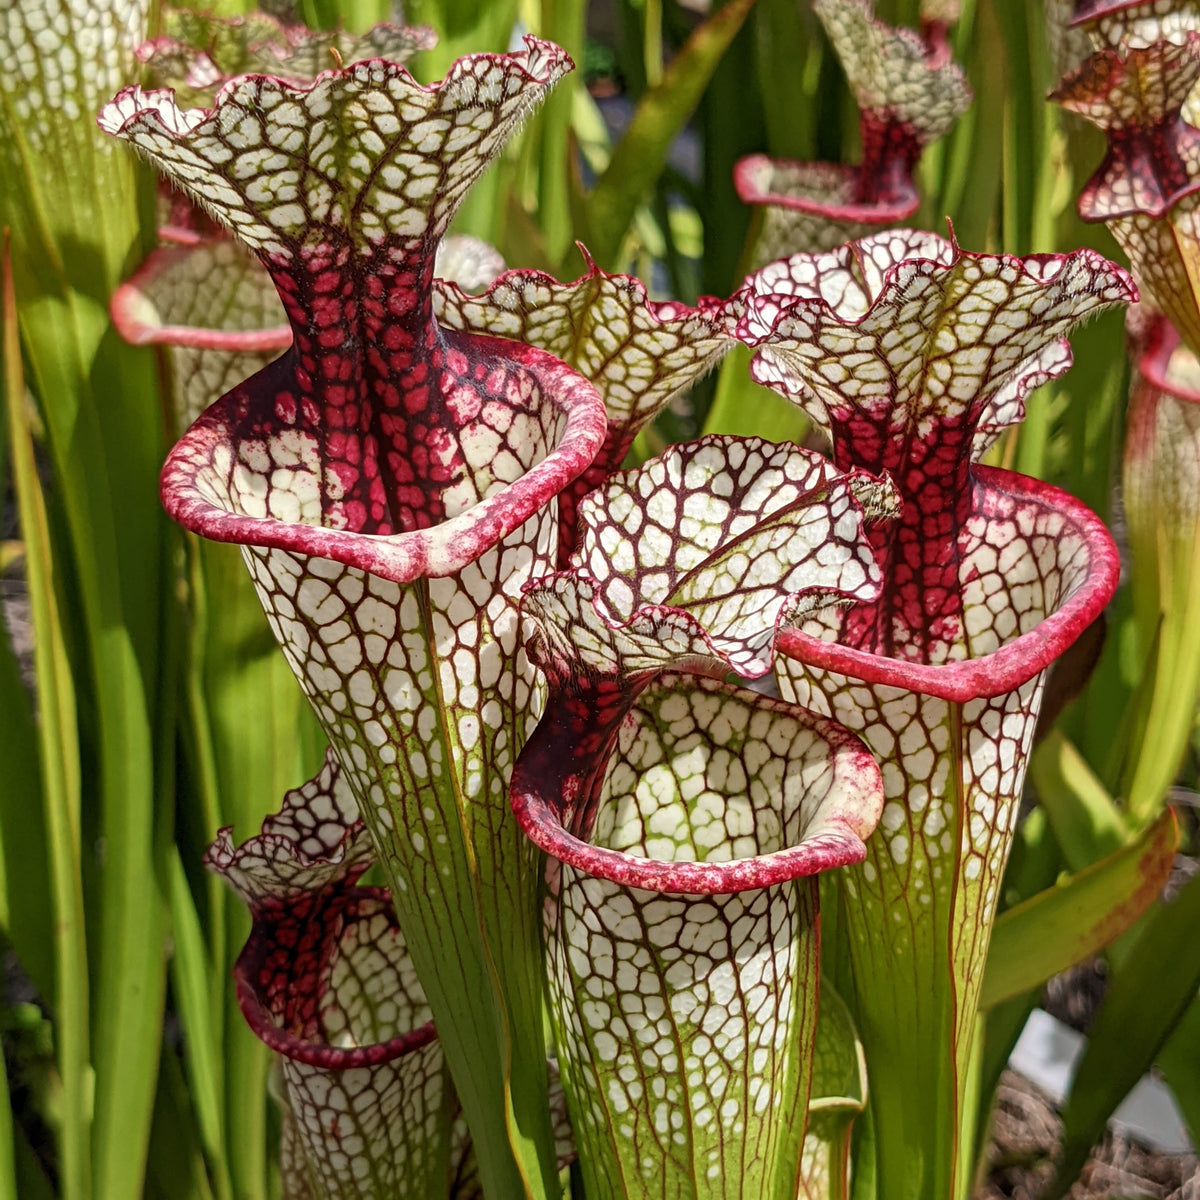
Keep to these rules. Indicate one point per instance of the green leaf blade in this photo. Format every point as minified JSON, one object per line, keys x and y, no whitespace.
{"x":1086,"y":822}
{"x":24,"y":864}
{"x":638,"y":158}
{"x":1065,"y":924}
{"x":60,"y":768}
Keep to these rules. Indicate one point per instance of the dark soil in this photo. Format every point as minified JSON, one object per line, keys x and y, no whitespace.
{"x":1026,"y":1129}
{"x":1025,"y":1133}
{"x":1074,"y":996}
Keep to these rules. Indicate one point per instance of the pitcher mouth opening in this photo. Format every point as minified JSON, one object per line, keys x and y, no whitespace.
{"x":1087,"y":584}
{"x":824,"y":830}
{"x":829,"y":191}
{"x":311,"y":1052}
{"x":1165,"y":362}
{"x":273,"y":492}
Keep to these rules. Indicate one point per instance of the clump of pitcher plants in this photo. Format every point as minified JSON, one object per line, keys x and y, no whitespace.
{"x":1138,"y":86}
{"x":908,"y":94}
{"x":603,"y":732}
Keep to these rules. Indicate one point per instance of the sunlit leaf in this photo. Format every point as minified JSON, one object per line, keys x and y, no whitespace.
{"x":1087,"y":823}
{"x":73,"y":202}
{"x":638,"y":158}
{"x":60,"y":768}
{"x":1179,"y":1061}
{"x":1079,"y":916}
